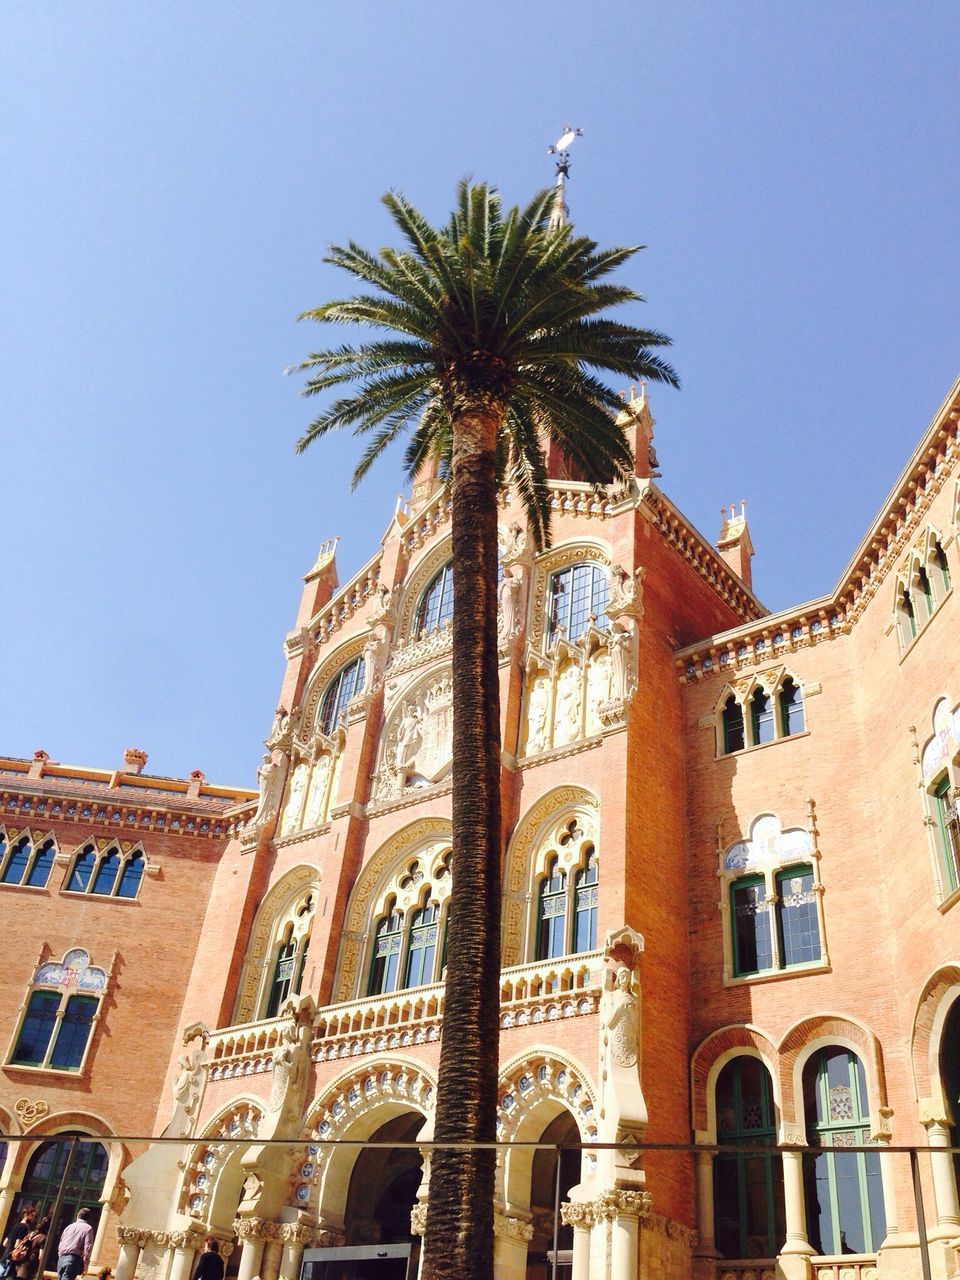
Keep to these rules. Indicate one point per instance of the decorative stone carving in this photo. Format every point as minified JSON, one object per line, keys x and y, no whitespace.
{"x":620,"y":1015}
{"x":133,"y":1235}
{"x":373,"y":651}
{"x":508,"y":623}
{"x":383,"y":610}
{"x":417,"y":744}
{"x":576,"y":1213}
{"x":270,"y":777}
{"x":566,"y":722}
{"x":626,"y":593}
{"x":293,"y":809}
{"x":515,"y":546}
{"x":189,"y":1239}
{"x":510,"y":1228}
{"x":255,"y":1229}
{"x":281,"y":731}
{"x":623,"y":1111}
{"x":418,"y":1219}
{"x":29,"y":1112}
{"x":610,"y":1205}
{"x":291,"y":1060}
{"x":187,"y":1090}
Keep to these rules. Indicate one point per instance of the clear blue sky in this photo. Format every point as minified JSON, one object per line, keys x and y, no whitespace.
{"x":172,"y":173}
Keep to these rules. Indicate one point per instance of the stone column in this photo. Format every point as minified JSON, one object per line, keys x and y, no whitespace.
{"x":185,"y":1244}
{"x":294,"y":1235}
{"x":250,"y":1232}
{"x":131,"y":1242}
{"x":623,"y":1209}
{"x":797,"y":1248}
{"x":944,"y":1181}
{"x":511,"y":1236}
{"x":578,"y":1215}
{"x":270,"y":1262}
{"x":706,"y":1243}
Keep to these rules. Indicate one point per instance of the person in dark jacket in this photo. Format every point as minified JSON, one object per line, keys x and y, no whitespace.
{"x":210,"y":1266}
{"x":27,"y":1269}
{"x":23,"y":1228}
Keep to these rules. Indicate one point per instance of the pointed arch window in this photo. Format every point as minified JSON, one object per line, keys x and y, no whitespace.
{"x":843,"y":1190}
{"x":82,"y":870}
{"x":283,"y":974}
{"x":578,"y":594}
{"x":586,"y":895}
{"x":761,"y":717}
{"x":344,"y":686}
{"x":387,"y":943}
{"x":732,"y":726}
{"x":436,"y":604}
{"x":790,"y":700}
{"x":552,"y":932}
{"x":59,"y":1014}
{"x":748,"y":1201}
{"x":130,"y":877}
{"x":926,"y":591}
{"x":422,"y":947}
{"x":943,"y":568}
{"x":906,"y":616}
{"x":108,"y":874}
{"x":26,"y":864}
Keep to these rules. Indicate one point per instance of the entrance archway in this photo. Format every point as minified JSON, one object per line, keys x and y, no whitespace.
{"x":45,"y":1170}
{"x":384,"y":1184}
{"x":562,"y":1129}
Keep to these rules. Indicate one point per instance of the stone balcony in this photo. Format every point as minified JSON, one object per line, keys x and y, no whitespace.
{"x":546,"y":991}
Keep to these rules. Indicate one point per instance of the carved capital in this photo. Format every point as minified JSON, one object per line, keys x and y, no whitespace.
{"x":574,"y":1213}
{"x":418,"y":1218}
{"x":621,"y":1202}
{"x":189,"y":1239}
{"x":255,"y":1229}
{"x":296,"y":1232}
{"x":132,"y":1235}
{"x":509,"y":1228}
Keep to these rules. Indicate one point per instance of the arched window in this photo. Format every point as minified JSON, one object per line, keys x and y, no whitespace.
{"x":585,"y":899}
{"x":732,"y":726}
{"x":42,"y":865}
{"x":947,"y":817}
{"x":388,"y":939}
{"x":552,"y":931}
{"x":791,"y":708}
{"x":748,"y":1188}
{"x":74,"y":1032}
{"x":926,"y":591}
{"x":106,"y":877}
{"x":950,"y":1075}
{"x":844,"y":1194}
{"x":422,"y":947}
{"x":283,"y":973}
{"x":761,"y":717}
{"x":344,"y":686}
{"x":17,"y":861}
{"x":907,"y":617}
{"x":130,"y":877}
{"x":60,"y":1011}
{"x":44,"y":1175}
{"x":82,"y":870}
{"x":798,"y":927}
{"x":940,"y":560}
{"x":37,"y":1028}
{"x":577,"y":594}
{"x":752,"y":943}
{"x":436,"y":603}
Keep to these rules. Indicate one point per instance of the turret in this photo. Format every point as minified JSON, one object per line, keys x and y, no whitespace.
{"x":734,"y":543}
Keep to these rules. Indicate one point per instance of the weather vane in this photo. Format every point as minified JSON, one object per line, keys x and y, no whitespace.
{"x":561,"y":149}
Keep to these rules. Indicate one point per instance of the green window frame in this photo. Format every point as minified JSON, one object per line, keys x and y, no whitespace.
{"x":948,"y":831}
{"x":552,"y":914}
{"x":762,"y":718}
{"x":749,"y":1214}
{"x":843,"y":1189}
{"x":44,"y":1176}
{"x":732,"y":727}
{"x":798,"y":920}
{"x":940,"y":559}
{"x":790,"y":699}
{"x":750,"y":921}
{"x":385,"y":962}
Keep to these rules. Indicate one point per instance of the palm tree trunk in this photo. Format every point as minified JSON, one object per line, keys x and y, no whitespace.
{"x":459,"y":1237}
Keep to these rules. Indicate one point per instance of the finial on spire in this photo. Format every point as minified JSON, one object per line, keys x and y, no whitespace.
{"x":561,"y":149}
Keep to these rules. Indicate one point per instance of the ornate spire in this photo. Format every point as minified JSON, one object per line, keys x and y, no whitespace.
{"x":561,"y":149}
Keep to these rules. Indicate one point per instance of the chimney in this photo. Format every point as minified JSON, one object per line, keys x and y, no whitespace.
{"x":134,"y":760}
{"x":734,"y":545}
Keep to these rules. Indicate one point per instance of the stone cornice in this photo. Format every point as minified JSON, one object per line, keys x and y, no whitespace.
{"x":933,"y":463}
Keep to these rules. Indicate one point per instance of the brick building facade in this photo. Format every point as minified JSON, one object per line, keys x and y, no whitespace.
{"x":730,"y":914}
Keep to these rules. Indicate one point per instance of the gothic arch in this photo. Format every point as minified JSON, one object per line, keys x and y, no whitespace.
{"x":819,"y":1032}
{"x":575,"y":550}
{"x":709,"y":1059}
{"x":213,"y":1174}
{"x":87,"y":1124}
{"x":419,"y":575}
{"x":354,"y":1105}
{"x":533,"y":829}
{"x":535,"y":1087}
{"x":940,"y":992}
{"x":366,"y":891}
{"x":278,"y":900}
{"x":321,"y":676}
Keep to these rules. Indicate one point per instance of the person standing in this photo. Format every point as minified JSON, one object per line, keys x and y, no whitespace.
{"x":17,"y":1233}
{"x":210,"y":1266}
{"x":73,"y":1251}
{"x":27,"y":1267}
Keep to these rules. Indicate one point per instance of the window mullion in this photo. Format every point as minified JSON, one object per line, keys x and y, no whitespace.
{"x":55,"y":1033}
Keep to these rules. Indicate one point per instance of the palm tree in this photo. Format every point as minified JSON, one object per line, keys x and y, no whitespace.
{"x":488,"y":333}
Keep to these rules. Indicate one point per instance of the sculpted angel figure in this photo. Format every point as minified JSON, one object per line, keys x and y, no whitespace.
{"x":270,"y":779}
{"x":509,"y":597}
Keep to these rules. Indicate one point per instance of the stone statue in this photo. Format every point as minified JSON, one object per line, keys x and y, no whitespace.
{"x":382,"y":608}
{"x":409,"y":736}
{"x":270,"y":779}
{"x":315,"y":811}
{"x":298,"y":785}
{"x":623,"y":1111}
{"x":509,"y":599}
{"x":371,"y":662}
{"x":620,"y":1015}
{"x":186,"y":1094}
{"x":514,"y":544}
{"x":619,"y":642}
{"x":566,"y":725}
{"x":626,"y":592}
{"x":537,"y":715}
{"x":289,"y":1059}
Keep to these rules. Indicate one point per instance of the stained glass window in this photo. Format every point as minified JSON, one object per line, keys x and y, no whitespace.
{"x":38,"y":1025}
{"x":422,"y":949}
{"x":386,"y":954}
{"x":748,"y":1188}
{"x":552,"y":933}
{"x":753,"y":945}
{"x":17,"y":862}
{"x":585,"y":899}
{"x":436,"y":603}
{"x":130,"y":877}
{"x":791,"y":708}
{"x":797,"y":916}
{"x":82,"y":871}
{"x":761,"y":717}
{"x":843,"y":1190}
{"x":733,"y":737}
{"x":344,"y":686}
{"x":578,"y":594}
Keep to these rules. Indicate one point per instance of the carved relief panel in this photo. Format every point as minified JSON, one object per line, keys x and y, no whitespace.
{"x":416,"y":746}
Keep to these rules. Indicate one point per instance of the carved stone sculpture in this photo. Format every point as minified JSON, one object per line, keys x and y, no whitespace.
{"x":509,"y":606}
{"x":626,"y":592}
{"x":294,"y":808}
{"x":187,"y":1089}
{"x":623,"y":1111}
{"x":270,"y":776}
{"x":372,"y":652}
